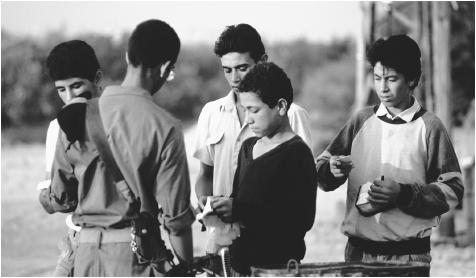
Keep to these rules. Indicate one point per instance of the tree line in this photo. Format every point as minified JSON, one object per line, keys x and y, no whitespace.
{"x":322,"y":75}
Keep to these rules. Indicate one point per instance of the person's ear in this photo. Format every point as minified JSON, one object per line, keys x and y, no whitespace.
{"x":264,"y":58}
{"x":282,"y":107}
{"x":98,"y":77}
{"x":165,"y":68}
{"x":127,"y":58}
{"x":411,"y":84}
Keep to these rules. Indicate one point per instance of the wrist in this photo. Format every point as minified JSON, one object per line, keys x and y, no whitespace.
{"x":405,"y":196}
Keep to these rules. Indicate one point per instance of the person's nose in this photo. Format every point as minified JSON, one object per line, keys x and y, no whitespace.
{"x":70,"y":94}
{"x":235,"y":77}
{"x":382,"y":85}
{"x":248,"y":118}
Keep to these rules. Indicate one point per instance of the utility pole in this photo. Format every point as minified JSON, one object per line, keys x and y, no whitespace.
{"x":442,"y":85}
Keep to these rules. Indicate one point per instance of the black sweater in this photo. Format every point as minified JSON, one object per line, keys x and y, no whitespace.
{"x":275,"y":199}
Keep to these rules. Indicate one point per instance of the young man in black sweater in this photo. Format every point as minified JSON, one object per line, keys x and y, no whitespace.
{"x":274,"y":188}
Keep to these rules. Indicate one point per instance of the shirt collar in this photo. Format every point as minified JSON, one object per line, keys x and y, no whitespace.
{"x":125,"y":90}
{"x":406,"y":115}
{"x":229,"y":103}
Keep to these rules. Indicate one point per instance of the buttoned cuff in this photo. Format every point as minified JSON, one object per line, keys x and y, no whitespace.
{"x":175,"y":225}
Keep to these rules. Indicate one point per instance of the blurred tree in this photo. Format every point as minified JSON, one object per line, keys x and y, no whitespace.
{"x":322,"y":75}
{"x":462,"y":59}
{"x":328,"y":95}
{"x":24,"y":85}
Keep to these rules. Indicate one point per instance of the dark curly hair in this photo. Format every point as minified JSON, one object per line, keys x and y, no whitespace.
{"x":269,"y":82}
{"x":240,"y":38}
{"x":71,"y":59}
{"x":399,"y":52}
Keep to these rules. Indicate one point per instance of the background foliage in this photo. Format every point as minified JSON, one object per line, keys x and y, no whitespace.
{"x":322,"y":75}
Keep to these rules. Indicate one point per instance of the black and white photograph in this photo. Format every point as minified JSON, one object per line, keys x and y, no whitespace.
{"x":237,"y":138}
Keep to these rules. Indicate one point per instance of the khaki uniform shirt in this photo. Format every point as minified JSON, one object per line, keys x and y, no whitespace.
{"x":148,"y":147}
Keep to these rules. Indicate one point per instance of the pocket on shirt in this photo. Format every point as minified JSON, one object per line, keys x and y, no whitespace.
{"x":212,"y":143}
{"x":215,"y":138}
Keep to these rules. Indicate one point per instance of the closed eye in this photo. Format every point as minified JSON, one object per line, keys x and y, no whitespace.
{"x":76,"y":85}
{"x":242,"y":68}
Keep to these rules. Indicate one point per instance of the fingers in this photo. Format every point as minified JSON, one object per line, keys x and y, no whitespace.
{"x":341,"y":172}
{"x":340,"y":166}
{"x":379,"y":182}
{"x":378,"y":196}
{"x":338,"y":173}
{"x":378,"y":188}
{"x":219,"y":204}
{"x":378,"y":201}
{"x":222,"y":206}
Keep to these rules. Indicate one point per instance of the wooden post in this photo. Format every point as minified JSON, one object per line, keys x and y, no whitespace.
{"x":442,"y":85}
{"x":441,"y":61}
{"x":468,"y":202}
{"x":361,"y":90}
{"x":427,"y":52}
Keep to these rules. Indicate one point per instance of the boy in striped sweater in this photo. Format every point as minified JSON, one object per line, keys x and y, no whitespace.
{"x":406,"y":155}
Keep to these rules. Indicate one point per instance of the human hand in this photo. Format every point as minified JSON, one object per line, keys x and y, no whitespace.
{"x":223,"y":207}
{"x":340,"y":165}
{"x":202,"y":201}
{"x":384,"y":192}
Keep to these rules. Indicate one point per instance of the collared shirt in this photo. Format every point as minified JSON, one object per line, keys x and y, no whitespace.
{"x":406,"y":115}
{"x":219,"y":138}
{"x":148,"y":147}
{"x":50,"y":145}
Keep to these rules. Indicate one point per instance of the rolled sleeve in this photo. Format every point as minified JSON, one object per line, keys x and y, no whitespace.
{"x":173,"y":184}
{"x":299,"y":121}
{"x":175,"y":224}
{"x":62,"y":195}
{"x":201,"y":150}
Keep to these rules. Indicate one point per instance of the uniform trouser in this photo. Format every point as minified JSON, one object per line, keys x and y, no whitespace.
{"x":67,"y":246}
{"x":354,"y":253}
{"x":110,"y":259}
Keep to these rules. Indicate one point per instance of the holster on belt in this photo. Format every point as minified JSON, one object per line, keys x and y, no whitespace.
{"x":147,"y":242}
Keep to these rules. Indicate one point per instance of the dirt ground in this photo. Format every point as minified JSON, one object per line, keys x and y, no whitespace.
{"x":29,"y":235}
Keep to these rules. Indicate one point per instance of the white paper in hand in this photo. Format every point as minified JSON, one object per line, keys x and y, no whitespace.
{"x":221,"y":233}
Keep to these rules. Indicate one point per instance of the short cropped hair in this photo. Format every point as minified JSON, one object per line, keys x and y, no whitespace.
{"x":269,"y":82}
{"x":399,"y":52}
{"x":72,"y":59}
{"x":240,"y":38}
{"x":153,"y":42}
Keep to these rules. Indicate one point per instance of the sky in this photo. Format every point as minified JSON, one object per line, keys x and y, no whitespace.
{"x":194,"y":21}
